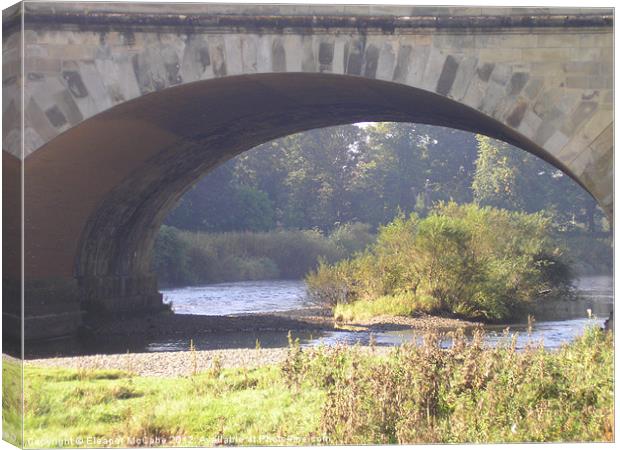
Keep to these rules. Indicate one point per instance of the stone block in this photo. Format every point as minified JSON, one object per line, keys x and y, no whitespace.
{"x":451,"y":42}
{"x":506,"y":40}
{"x":417,"y":65}
{"x":36,"y":118}
{"x":387,"y":60}
{"x":308,"y":58}
{"x":42,"y":65}
{"x":556,"y":40}
{"x":594,"y":54}
{"x":403,"y":61}
{"x":264,"y":53}
{"x":447,"y":75}
{"x":546,"y":54}
{"x":233,"y":55}
{"x":292,"y":44}
{"x":597,"y":40}
{"x":371,"y":61}
{"x":556,"y":142}
{"x":573,"y":68}
{"x":432,"y":71}
{"x":465,"y":73}
{"x":501,"y":55}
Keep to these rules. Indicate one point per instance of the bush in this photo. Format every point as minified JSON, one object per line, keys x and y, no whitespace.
{"x":171,"y":256}
{"x":351,"y":238}
{"x":480,"y":263}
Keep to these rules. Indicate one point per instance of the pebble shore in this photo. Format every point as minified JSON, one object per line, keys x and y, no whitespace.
{"x":181,"y":363}
{"x":168,"y":364}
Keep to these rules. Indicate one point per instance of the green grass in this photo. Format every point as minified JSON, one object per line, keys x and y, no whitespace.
{"x":341,"y":394}
{"x":11,"y":400}
{"x":67,"y":405}
{"x":388,"y":305}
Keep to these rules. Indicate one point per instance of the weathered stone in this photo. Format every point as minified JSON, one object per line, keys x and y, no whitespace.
{"x":447,"y":76}
{"x":326,"y":54}
{"x":516,"y":116}
{"x":371,"y":61}
{"x":308,"y":62}
{"x":417,"y":65}
{"x":56,"y":117}
{"x":585,"y":110}
{"x":385,"y":64}
{"x":74,"y":83}
{"x":517,"y":82}
{"x":464,"y":75}
{"x":278,"y":56}
{"x":402,"y":64}
{"x":484,"y":71}
{"x":354,"y":56}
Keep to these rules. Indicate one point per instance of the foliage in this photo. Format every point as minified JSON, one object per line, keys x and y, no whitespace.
{"x":481,"y":263}
{"x":171,"y":256}
{"x":507,"y":177}
{"x":185,"y":258}
{"x":339,"y":395}
{"x":331,"y":178}
{"x":426,"y":394}
{"x":327,"y":177}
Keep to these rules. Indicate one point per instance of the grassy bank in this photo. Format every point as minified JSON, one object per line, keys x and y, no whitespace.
{"x":339,"y":395}
{"x":186,"y":258}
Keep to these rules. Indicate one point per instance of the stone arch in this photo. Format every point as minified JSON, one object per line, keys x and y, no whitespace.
{"x":115,"y":176}
{"x":125,"y":108}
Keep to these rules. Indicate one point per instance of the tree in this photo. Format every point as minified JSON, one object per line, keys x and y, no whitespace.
{"x":511,"y":178}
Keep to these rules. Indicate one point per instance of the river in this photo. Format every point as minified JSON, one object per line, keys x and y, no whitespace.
{"x":281,"y":295}
{"x":264,"y":297}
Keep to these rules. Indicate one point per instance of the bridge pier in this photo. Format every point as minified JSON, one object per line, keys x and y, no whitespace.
{"x":121,"y":293}
{"x":57,"y":307}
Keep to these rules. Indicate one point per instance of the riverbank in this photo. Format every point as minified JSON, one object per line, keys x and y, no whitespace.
{"x":329,"y":395}
{"x":298,"y":320}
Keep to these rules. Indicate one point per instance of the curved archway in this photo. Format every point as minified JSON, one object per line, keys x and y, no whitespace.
{"x":98,"y":193}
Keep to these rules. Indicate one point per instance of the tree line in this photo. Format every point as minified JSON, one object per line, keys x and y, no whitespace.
{"x":323,"y":178}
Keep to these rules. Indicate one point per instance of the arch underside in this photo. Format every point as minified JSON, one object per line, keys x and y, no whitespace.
{"x":97,"y":194}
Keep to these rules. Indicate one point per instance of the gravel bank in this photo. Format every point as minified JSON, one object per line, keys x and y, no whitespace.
{"x":180,"y":363}
{"x":423,"y":322}
{"x":171,"y":364}
{"x":168,"y":364}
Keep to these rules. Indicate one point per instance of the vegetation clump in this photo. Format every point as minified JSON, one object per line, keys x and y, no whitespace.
{"x":187,"y":257}
{"x":466,"y":393}
{"x":470,"y":261}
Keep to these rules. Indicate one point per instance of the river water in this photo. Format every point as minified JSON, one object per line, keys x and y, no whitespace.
{"x":264,"y":297}
{"x":282,"y":295}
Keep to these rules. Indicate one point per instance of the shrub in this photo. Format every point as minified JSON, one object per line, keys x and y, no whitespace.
{"x":481,"y":263}
{"x":171,"y":256}
{"x":351,"y":238}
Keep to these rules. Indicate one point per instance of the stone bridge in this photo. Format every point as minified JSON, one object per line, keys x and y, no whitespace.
{"x":122,"y":107}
